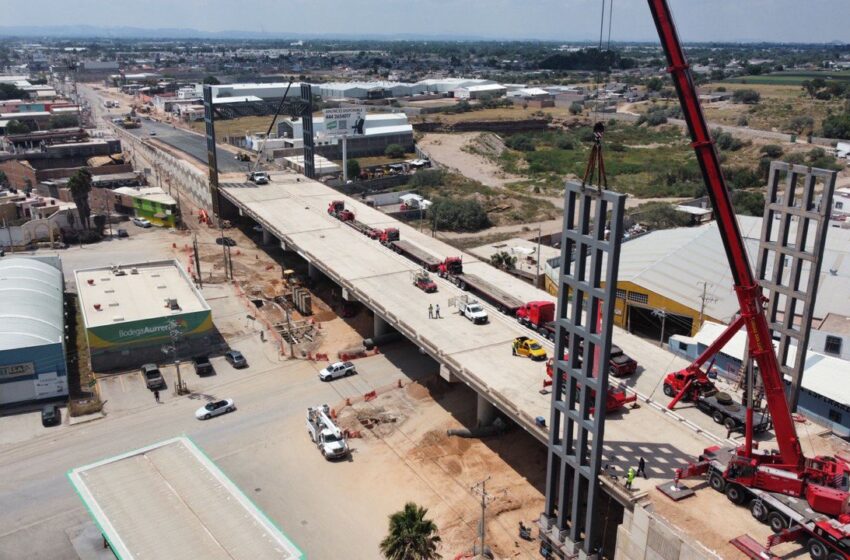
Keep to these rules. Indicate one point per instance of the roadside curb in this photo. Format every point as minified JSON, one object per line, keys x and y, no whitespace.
{"x":84,"y":419}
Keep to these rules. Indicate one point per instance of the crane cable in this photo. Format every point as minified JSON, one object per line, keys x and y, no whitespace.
{"x":596,"y":162}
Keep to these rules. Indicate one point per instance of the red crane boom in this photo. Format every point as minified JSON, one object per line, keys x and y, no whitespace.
{"x":747,"y":289}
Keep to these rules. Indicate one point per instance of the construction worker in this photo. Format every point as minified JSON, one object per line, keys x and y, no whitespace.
{"x":630,"y":478}
{"x":437,"y":311}
{"x":156,"y":395}
{"x":430,"y":311}
{"x":642,"y":468}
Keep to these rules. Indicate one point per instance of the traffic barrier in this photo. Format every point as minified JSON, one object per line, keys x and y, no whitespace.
{"x":371,"y":395}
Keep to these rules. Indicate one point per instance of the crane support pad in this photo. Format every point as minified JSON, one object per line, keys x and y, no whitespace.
{"x":675,"y":492}
{"x":752,"y":548}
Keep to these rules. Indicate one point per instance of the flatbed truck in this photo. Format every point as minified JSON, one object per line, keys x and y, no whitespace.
{"x":452,"y":270}
{"x":391,"y":238}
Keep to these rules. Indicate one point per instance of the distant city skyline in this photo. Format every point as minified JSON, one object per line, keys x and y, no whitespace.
{"x":812,"y":21}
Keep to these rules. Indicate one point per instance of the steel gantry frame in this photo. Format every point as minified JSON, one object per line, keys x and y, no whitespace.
{"x":590,"y":254}
{"x":785,"y":259}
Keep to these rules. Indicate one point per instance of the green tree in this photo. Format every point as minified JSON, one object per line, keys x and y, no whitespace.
{"x":426,"y":178}
{"x":834,"y":126}
{"x":63,"y":121}
{"x":520,"y":142}
{"x":576,"y":108}
{"x":458,"y":215}
{"x":80,"y":185}
{"x":411,"y":536}
{"x":503,"y":260}
{"x":772,"y":151}
{"x":17,"y":127}
{"x":654,"y":84}
{"x":211,"y":80}
{"x":352,"y":167}
{"x":660,"y":215}
{"x":748,"y":203}
{"x":10,"y":91}
{"x":394,"y":151}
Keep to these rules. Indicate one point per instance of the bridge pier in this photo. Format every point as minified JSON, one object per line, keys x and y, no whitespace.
{"x":313,"y":272}
{"x":380,"y":327}
{"x":486,"y":413}
{"x":268,"y":238}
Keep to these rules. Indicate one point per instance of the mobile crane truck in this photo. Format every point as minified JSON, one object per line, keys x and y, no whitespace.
{"x":325,"y":433}
{"x":803,"y":499}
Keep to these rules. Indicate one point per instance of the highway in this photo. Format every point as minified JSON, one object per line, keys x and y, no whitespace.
{"x":293,"y":209}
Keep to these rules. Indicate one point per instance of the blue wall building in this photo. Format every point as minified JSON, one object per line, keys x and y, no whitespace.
{"x":32,"y":330}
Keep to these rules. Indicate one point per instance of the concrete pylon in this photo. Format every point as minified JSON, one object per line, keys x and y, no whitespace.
{"x":486,"y":412}
{"x":268,"y":238}
{"x":313,"y":272}
{"x":381,"y":327}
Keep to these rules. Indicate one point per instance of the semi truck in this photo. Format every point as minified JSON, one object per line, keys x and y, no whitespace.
{"x":615,"y":399}
{"x":325,"y":433}
{"x":452,"y":270}
{"x":391,"y":238}
{"x":540,"y":316}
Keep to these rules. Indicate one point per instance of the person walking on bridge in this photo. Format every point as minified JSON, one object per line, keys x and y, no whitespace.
{"x":430,"y":311}
{"x":437,"y":311}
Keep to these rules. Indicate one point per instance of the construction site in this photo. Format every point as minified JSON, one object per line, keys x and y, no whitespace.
{"x":511,"y":400}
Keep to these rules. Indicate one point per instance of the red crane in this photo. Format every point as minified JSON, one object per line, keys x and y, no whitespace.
{"x":763,"y":478}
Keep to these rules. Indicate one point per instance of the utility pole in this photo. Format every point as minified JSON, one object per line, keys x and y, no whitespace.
{"x":197,"y":261}
{"x":537,"y":276}
{"x":175,"y":334}
{"x":480,"y":489}
{"x":663,"y":314}
{"x":703,"y":299}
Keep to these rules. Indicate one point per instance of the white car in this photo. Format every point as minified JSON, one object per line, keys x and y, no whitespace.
{"x":142,"y":222}
{"x":215,"y":409}
{"x":337,"y":370}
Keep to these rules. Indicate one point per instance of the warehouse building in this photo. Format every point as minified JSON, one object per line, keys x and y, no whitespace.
{"x":134,"y":313}
{"x":482,"y":91}
{"x":32,"y":330}
{"x":379,"y":131}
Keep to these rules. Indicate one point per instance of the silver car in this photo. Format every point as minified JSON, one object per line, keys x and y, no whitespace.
{"x":215,"y":409}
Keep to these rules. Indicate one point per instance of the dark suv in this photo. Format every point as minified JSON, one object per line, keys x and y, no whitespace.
{"x":50,"y":416}
{"x":202,"y":365}
{"x":153,"y":378}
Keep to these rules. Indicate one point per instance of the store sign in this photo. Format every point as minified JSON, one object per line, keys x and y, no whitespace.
{"x":17,"y":370}
{"x":50,"y":385}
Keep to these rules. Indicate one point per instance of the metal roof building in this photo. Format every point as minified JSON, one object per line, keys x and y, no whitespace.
{"x":169,"y":500}
{"x":32,"y":330}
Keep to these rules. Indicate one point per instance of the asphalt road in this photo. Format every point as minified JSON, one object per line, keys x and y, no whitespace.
{"x":262,"y":447}
{"x":190,"y":143}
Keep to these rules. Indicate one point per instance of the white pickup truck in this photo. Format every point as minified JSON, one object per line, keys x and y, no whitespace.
{"x":325,"y":434}
{"x":473,"y":311}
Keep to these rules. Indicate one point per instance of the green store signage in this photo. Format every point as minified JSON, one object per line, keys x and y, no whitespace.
{"x":149,"y":331}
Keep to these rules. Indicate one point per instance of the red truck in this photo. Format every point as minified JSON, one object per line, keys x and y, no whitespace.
{"x":337,"y":209}
{"x":391,"y":238}
{"x":540,"y":316}
{"x":615,"y":399}
{"x":452,"y":269}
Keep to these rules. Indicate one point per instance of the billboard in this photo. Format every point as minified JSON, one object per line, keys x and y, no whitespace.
{"x":148,"y":331}
{"x":345,"y":121}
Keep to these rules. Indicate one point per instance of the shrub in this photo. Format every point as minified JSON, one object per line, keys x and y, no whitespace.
{"x":576,"y":108}
{"x":772,"y":151}
{"x":747,"y":96}
{"x":394,"y":151}
{"x":458,"y":215}
{"x":520,"y":142}
{"x":353,"y":168}
{"x":834,"y":126}
{"x":565,"y":143}
{"x":748,"y":203}
{"x":426,"y":178}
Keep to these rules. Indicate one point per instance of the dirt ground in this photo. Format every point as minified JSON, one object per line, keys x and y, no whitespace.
{"x":448,"y":150}
{"x":412,"y":422}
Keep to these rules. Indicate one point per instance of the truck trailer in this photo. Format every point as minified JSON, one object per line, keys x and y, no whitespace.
{"x":452,"y":270}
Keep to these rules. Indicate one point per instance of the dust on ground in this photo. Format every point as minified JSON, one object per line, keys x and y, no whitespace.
{"x":412,"y":422}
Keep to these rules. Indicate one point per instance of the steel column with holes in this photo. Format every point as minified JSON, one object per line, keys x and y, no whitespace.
{"x":590,"y":254}
{"x":212,"y":156}
{"x":793,"y":238}
{"x":307,"y":127}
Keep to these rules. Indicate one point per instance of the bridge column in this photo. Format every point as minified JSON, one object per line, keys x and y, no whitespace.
{"x":486,"y":413}
{"x":268,"y":238}
{"x":381,"y":327}
{"x":313,"y":272}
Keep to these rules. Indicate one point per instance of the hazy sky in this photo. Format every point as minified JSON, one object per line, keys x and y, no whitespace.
{"x":698,"y":20}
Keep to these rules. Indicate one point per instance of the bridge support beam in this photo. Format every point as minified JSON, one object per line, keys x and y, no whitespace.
{"x":381,"y":327}
{"x":486,"y":413}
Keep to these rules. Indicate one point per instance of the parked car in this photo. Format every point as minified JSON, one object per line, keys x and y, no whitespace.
{"x":142,"y":222}
{"x":225,"y":241}
{"x":216,"y":408}
{"x":202,"y":365}
{"x":153,"y":378}
{"x":337,"y":370}
{"x":123,"y":233}
{"x":258,"y":177}
{"x":524,"y":346}
{"x":152,"y":133}
{"x":51,"y":416}
{"x":236,"y":359}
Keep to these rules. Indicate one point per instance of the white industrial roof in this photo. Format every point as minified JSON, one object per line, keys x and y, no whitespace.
{"x":31,"y":303}
{"x":675,"y":262}
{"x":239,"y":99}
{"x":108,"y":298}
{"x":169,"y":500}
{"x":823,"y":375}
{"x":484,"y":87}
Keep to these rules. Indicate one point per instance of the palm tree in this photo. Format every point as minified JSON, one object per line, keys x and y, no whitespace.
{"x":411,"y":536}
{"x":80,"y":185}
